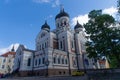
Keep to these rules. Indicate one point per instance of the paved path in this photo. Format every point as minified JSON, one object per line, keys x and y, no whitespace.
{"x":47,"y":78}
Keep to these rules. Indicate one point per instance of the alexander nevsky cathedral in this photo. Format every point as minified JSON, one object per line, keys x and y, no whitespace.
{"x":58,"y":52}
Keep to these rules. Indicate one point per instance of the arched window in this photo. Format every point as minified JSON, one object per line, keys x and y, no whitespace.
{"x":62,"y":60}
{"x":45,"y":45}
{"x":35,"y":62}
{"x":54,"y":59}
{"x":86,"y":62}
{"x":29,"y":62}
{"x":40,"y":47}
{"x":72,"y":42}
{"x":58,"y":60}
{"x":66,"y":61}
{"x":74,"y":62}
{"x":39,"y":61}
{"x":64,"y":22}
{"x":43,"y":60}
{"x":61,"y":44}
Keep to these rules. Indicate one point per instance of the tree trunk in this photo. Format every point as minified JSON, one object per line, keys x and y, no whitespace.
{"x":118,"y":60}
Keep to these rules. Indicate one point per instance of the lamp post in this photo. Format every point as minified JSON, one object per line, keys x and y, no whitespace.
{"x":9,"y":70}
{"x":84,"y":63}
{"x":47,"y":64}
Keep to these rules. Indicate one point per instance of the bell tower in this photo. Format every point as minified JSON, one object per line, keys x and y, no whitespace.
{"x":62,"y":20}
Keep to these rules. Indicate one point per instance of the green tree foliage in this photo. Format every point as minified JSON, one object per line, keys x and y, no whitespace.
{"x":104,"y":40}
{"x":118,"y":5}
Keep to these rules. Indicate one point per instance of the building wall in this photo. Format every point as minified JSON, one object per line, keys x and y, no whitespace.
{"x":6,"y":64}
{"x":57,"y":52}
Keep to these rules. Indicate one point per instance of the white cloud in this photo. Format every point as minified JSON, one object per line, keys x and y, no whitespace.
{"x":56,"y":3}
{"x":49,"y":17}
{"x":82,"y":19}
{"x":111,"y":11}
{"x":4,"y":50}
{"x":41,"y":1}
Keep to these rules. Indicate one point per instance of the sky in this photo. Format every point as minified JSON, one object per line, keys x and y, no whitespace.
{"x":21,"y":20}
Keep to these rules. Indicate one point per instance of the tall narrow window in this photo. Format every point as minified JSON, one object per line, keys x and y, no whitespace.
{"x":72,"y":44}
{"x":61,"y":44}
{"x":64,"y":45}
{"x":36,"y":62}
{"x":4,"y":60}
{"x":66,"y":61}
{"x":54,"y":59}
{"x":58,"y":60}
{"x":39,"y":61}
{"x":43,"y":60}
{"x":74,"y":62}
{"x":29,"y":62}
{"x":45,"y":45}
{"x":64,"y":22}
{"x":86,"y":62}
{"x":62,"y":60}
{"x":3,"y":66}
{"x":40,"y":47}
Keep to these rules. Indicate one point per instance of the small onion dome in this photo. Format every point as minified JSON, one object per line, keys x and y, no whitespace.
{"x":61,"y":14}
{"x":45,"y":26}
{"x":78,"y":25}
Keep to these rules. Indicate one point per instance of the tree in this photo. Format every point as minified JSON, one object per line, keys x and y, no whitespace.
{"x":118,"y":5}
{"x":104,"y":37}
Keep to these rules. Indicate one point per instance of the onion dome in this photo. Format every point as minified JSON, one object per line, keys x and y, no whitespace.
{"x":61,"y":14}
{"x":78,"y":25}
{"x":45,"y":26}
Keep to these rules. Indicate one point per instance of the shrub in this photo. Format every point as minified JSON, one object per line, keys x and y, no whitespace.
{"x":78,"y":73}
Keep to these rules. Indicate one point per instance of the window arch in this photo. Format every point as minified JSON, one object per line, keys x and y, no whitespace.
{"x":86,"y":62}
{"x":54,"y":59}
{"x":29,"y":62}
{"x":43,"y":60}
{"x":66,"y":61}
{"x":62,"y":60}
{"x":39,"y":61}
{"x":59,"y":60}
{"x":65,"y":23}
{"x":35,"y":62}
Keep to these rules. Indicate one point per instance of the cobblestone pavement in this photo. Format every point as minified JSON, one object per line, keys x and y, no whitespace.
{"x":47,"y":78}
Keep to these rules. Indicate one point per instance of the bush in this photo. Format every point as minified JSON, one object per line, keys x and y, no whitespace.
{"x":78,"y":73}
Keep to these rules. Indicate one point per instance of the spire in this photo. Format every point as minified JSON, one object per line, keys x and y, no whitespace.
{"x":61,"y":8}
{"x":77,"y":22}
{"x":13,"y":49}
{"x":45,"y":21}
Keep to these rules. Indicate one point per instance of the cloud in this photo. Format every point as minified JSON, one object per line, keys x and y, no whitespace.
{"x":111,"y":11}
{"x":82,"y":19}
{"x":4,"y":50}
{"x":49,"y":17}
{"x":41,"y":1}
{"x":56,"y":3}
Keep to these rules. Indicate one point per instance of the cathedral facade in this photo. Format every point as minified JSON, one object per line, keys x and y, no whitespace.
{"x":58,"y":52}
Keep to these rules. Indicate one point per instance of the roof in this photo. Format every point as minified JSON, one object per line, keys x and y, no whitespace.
{"x":8,"y":53}
{"x":45,"y":25}
{"x":78,"y":25}
{"x":61,"y":14}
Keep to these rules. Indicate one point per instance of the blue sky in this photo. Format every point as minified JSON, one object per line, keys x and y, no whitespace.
{"x":21,"y":20}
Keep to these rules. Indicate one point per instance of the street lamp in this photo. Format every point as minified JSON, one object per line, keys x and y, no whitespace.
{"x":83,"y":62}
{"x":47,"y":64}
